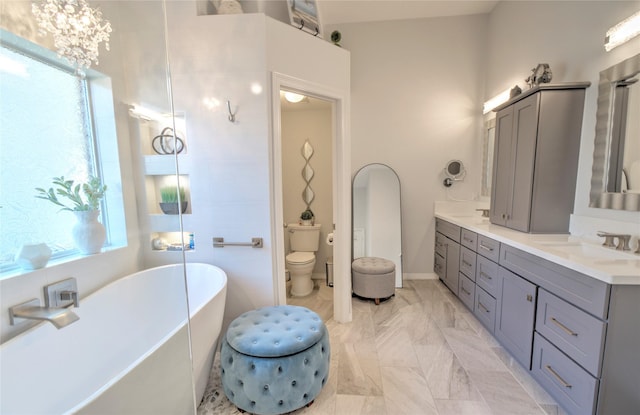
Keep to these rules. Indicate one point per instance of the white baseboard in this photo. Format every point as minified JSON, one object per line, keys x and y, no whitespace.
{"x":420,"y":276}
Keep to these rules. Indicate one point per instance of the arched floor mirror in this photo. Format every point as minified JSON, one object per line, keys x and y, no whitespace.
{"x":377,"y":219}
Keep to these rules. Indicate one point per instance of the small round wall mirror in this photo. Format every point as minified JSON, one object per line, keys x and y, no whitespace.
{"x":454,"y":170}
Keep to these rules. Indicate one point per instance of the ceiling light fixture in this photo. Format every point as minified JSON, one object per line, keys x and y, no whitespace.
{"x":622,"y":32}
{"x":77,"y":29}
{"x":293,"y":97}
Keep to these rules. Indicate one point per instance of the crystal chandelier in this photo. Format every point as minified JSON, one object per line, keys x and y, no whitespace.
{"x":77,"y":29}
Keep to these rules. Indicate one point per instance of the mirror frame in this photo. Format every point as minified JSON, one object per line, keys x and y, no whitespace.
{"x":399,"y":279}
{"x":487,"y":149}
{"x":599,"y":197}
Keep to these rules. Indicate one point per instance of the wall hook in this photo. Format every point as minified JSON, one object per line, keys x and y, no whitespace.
{"x":232,"y":115}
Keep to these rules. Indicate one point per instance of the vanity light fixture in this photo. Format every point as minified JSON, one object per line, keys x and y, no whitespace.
{"x":148,"y":114}
{"x":293,"y":97}
{"x":495,"y":101}
{"x":622,"y":32}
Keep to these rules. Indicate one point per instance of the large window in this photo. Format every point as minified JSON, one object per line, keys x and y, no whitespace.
{"x":45,"y":131}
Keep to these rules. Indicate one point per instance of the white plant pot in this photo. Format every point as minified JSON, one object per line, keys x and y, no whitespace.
{"x":31,"y":257}
{"x":88,"y":234}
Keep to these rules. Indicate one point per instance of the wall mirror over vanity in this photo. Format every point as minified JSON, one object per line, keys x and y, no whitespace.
{"x":615,"y":180}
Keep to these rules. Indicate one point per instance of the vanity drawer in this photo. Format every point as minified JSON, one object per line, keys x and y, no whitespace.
{"x":573,"y":387}
{"x":466,"y":291}
{"x":448,"y":229}
{"x":487,"y":275}
{"x":441,"y":244}
{"x":588,"y":293}
{"x":578,"y":334}
{"x":469,"y":239}
{"x":485,"y":309}
{"x":489,"y":248}
{"x":468,"y":263}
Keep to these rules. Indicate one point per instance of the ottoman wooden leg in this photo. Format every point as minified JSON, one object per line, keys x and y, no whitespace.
{"x":377,"y":300}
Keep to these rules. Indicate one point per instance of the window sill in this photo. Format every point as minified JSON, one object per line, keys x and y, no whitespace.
{"x":55,"y":262}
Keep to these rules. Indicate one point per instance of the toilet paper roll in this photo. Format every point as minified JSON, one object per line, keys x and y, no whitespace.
{"x":330,"y":238}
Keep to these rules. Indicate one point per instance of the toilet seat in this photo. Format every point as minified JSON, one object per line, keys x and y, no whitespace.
{"x":300,"y":258}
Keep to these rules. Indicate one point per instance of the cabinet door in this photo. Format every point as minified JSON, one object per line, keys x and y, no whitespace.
{"x":487,"y":275}
{"x":485,"y":309}
{"x":515,"y":315}
{"x":466,"y":291}
{"x":468,"y":263}
{"x":502,"y":176}
{"x":453,"y":265}
{"x":525,"y":133}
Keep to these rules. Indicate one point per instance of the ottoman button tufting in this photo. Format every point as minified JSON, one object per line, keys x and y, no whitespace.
{"x":373,"y":278}
{"x":289,"y":341}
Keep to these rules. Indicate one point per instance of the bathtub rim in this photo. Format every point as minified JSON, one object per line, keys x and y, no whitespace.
{"x":181,"y":324}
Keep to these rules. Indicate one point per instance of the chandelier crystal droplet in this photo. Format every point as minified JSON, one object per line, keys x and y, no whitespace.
{"x":77,"y":29}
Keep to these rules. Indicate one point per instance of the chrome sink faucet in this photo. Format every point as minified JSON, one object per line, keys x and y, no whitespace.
{"x":608,"y":238}
{"x":485,"y":212}
{"x":623,"y":240}
{"x":623,"y":243}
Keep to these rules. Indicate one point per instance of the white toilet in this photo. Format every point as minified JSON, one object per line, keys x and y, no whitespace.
{"x":304,"y":242}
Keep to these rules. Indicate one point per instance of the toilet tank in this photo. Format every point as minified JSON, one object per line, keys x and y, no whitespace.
{"x":304,"y":238}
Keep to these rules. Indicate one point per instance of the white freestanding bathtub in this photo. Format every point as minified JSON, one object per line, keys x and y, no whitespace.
{"x":128,"y":353}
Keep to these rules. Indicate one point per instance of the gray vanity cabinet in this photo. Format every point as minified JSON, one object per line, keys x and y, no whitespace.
{"x":515,"y":315}
{"x":578,"y":336}
{"x":536,"y":158}
{"x":447,"y":254}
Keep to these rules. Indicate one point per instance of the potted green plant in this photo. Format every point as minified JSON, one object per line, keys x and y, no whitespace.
{"x":83,"y":199}
{"x":169,"y":196}
{"x":336,"y":36}
{"x":307,"y":218}
{"x":83,"y":196}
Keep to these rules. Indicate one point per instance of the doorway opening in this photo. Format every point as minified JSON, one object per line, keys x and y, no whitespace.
{"x":311,"y":171}
{"x":306,"y":135}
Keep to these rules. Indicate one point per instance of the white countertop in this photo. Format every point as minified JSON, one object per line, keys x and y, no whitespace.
{"x":586,"y":257}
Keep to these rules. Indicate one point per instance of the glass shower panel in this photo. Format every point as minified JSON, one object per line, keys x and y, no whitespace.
{"x":135,"y":141}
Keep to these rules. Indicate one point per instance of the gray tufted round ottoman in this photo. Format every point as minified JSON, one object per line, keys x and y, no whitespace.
{"x":275,"y":359}
{"x":373,"y":278}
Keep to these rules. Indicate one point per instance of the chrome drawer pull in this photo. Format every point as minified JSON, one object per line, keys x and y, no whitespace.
{"x":563,"y":327}
{"x":554,"y":373}
{"x":483,"y":307}
{"x":468,"y":240}
{"x":484,"y":274}
{"x":466,"y":263}
{"x":486,"y":248}
{"x":465,"y":291}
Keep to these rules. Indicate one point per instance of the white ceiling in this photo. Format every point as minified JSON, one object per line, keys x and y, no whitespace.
{"x":352,"y":11}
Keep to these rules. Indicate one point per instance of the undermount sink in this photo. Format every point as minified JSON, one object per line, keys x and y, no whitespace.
{"x":476,"y":219}
{"x":587,"y":249}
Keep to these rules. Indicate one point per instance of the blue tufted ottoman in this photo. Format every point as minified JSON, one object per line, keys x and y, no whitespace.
{"x":275,"y":359}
